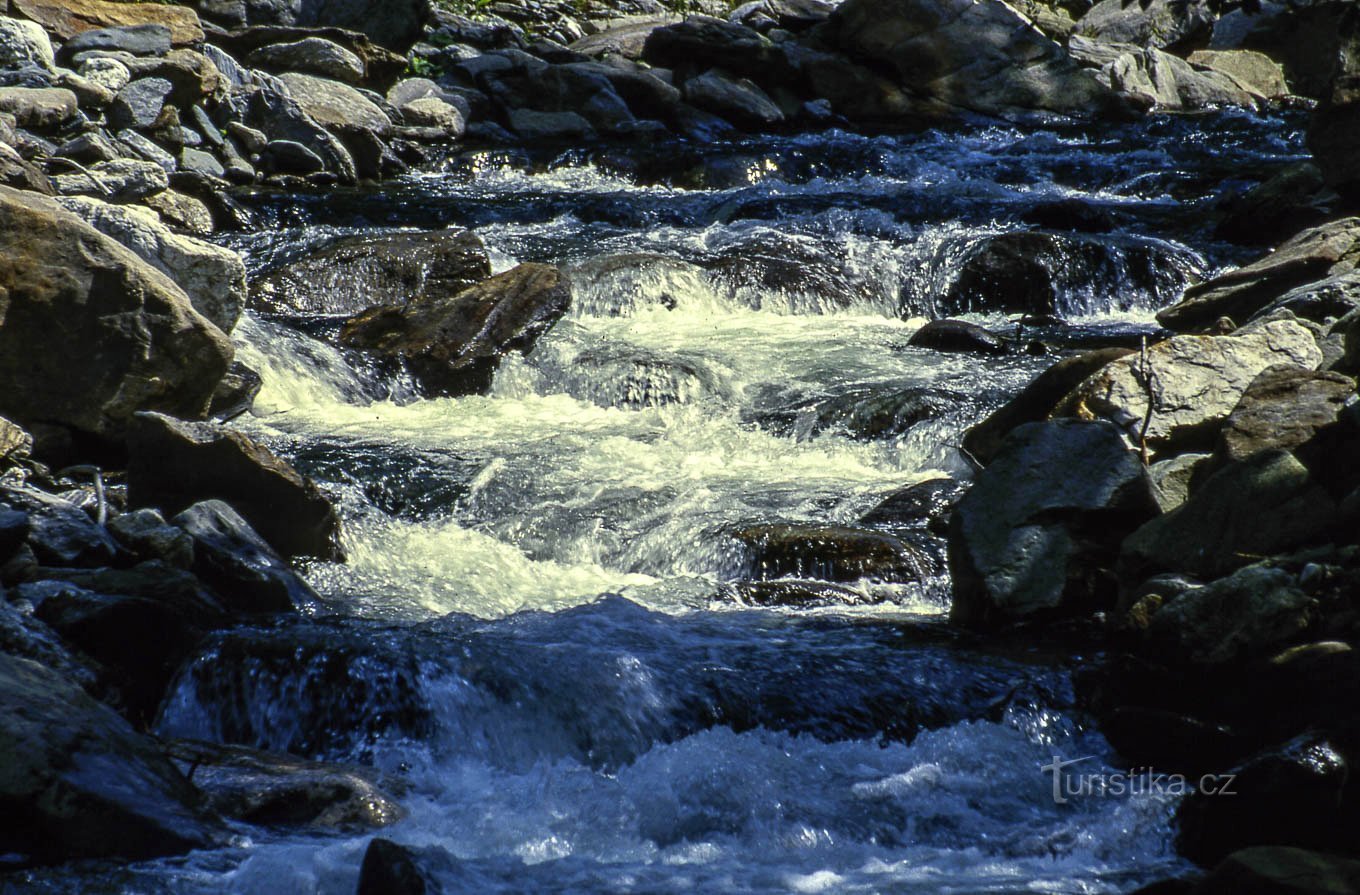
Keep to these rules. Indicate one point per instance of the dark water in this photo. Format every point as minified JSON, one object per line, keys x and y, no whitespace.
{"x":740,"y":312}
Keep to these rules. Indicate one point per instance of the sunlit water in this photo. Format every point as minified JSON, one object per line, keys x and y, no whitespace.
{"x":726,"y":331}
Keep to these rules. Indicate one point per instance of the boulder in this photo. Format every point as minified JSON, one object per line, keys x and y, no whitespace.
{"x":91,"y":333}
{"x":453,"y":345}
{"x":138,"y":40}
{"x":214,"y":278}
{"x":1156,"y":78}
{"x":1330,"y":250}
{"x":979,"y":56}
{"x":433,"y":112}
{"x":1037,"y":401}
{"x":1195,"y":382}
{"x":60,"y":533}
{"x":1172,"y":479}
{"x":18,"y":173}
{"x":738,"y":100}
{"x":1263,"y":506}
{"x":147,"y":536}
{"x":1283,"y":408}
{"x":1281,"y":870}
{"x":922,"y":505}
{"x":78,"y":782}
{"x":312,"y":56}
{"x":337,"y":107}
{"x":24,"y":44}
{"x":192,"y":75}
{"x":389,"y":869}
{"x":282,"y":118}
{"x":1038,"y":533}
{"x":182,"y":213}
{"x":827,"y":553}
{"x":1253,"y":71}
{"x":624,"y":37}
{"x":241,"y":568}
{"x":119,"y":180}
{"x":1160,"y":24}
{"x":64,"y":19}
{"x":701,"y":43}
{"x":24,"y":637}
{"x":533,"y":125}
{"x":349,"y":275}
{"x":1333,"y":133}
{"x":394,"y":24}
{"x":957,"y":336}
{"x":38,"y":108}
{"x":276,"y":790}
{"x":175,"y":464}
{"x":382,"y":67}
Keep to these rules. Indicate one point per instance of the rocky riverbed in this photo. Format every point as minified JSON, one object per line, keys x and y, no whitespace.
{"x":626,"y":446}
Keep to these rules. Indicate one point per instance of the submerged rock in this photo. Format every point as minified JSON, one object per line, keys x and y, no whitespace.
{"x":453,"y":345}
{"x":78,"y":782}
{"x":1039,"y":531}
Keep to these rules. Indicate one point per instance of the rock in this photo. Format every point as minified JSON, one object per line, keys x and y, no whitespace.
{"x":1332,"y":133}
{"x":827,"y":553}
{"x":1280,"y":870}
{"x":394,"y":24}
{"x":249,"y":138}
{"x":1253,"y":71}
{"x":624,"y":37}
{"x":352,"y":273}
{"x":532,"y":125}
{"x":1171,"y":479}
{"x":59,"y":532}
{"x":214,"y":278}
{"x":276,"y":790}
{"x":925,"y":504}
{"x":336,"y":107}
{"x":700,"y":43}
{"x":1263,"y":506}
{"x":980,"y":56}
{"x":1283,"y":408}
{"x":139,"y":104}
{"x":39,"y":108}
{"x":289,"y":157}
{"x":24,"y":637}
{"x":738,"y":100}
{"x":148,"y":150}
{"x":236,"y":394}
{"x":1161,"y":24}
{"x":1038,"y":532}
{"x":89,"y":95}
{"x":238,"y":565}
{"x":64,"y":19}
{"x":957,"y":336}
{"x":120,"y":180}
{"x":1292,"y":200}
{"x":139,"y":40}
{"x":192,"y":75}
{"x":147,"y":536}
{"x":431,"y":111}
{"x":181,"y":213}
{"x":1169,"y":83}
{"x":19,"y":174}
{"x":88,"y":149}
{"x":78,"y":782}
{"x":175,"y":464}
{"x":312,"y":56}
{"x":1321,"y":302}
{"x":390,"y":869}
{"x":453,"y":345}
{"x":1196,"y":381}
{"x":23,"y":44}
{"x":1037,"y":401}
{"x":282,"y":118}
{"x":1330,"y":250}
{"x":91,"y":333}
{"x":15,"y":446}
{"x":1293,"y":795}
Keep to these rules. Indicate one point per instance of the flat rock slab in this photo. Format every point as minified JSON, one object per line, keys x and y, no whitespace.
{"x":67,"y":18}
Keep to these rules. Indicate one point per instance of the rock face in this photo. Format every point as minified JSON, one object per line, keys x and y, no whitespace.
{"x":346,"y":277}
{"x":90,"y":334}
{"x":1330,"y":250}
{"x":982,"y":56}
{"x":1039,"y":530}
{"x":1196,"y":381}
{"x":175,"y":464}
{"x":454,"y":345}
{"x":67,"y":18}
{"x":78,"y":782}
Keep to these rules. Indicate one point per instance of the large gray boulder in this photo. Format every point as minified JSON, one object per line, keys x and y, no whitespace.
{"x":1038,"y":532}
{"x":1158,"y":23}
{"x":1194,"y":382}
{"x":213,"y":277}
{"x":24,"y":43}
{"x":78,"y":782}
{"x":90,"y":333}
{"x":978,"y":55}
{"x":1170,"y":83}
{"x":337,"y":107}
{"x":313,"y":56}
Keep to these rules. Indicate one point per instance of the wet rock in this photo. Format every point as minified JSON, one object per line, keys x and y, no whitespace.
{"x":236,"y":393}
{"x":352,"y":273}
{"x":23,"y":44}
{"x":214,"y":278}
{"x":175,"y":464}
{"x":1159,"y":23}
{"x":453,"y":345}
{"x":793,"y":594}
{"x":958,"y":336}
{"x":738,"y":100}
{"x":312,"y":56}
{"x":1281,"y":870}
{"x":78,"y":782}
{"x":146,"y":535}
{"x":59,"y":532}
{"x":241,"y":568}
{"x":927,"y":504}
{"x":828,"y":553}
{"x":1262,"y":506}
{"x":138,"y":40}
{"x":38,"y":108}
{"x":1283,"y":408}
{"x":276,"y":790}
{"x":65,"y":19}
{"x":120,"y":180}
{"x":390,"y":869}
{"x":1038,"y":532}
{"x":984,"y":57}
{"x":1195,"y":382}
{"x":1330,"y":250}
{"x":1294,"y":795}
{"x":531,"y":124}
{"x":1037,"y":401}
{"x":875,"y":414}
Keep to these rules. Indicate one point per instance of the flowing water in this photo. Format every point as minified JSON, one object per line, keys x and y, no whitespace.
{"x":541,"y":628}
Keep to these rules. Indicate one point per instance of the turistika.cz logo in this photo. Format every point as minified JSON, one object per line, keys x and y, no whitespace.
{"x":1137,"y":781}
